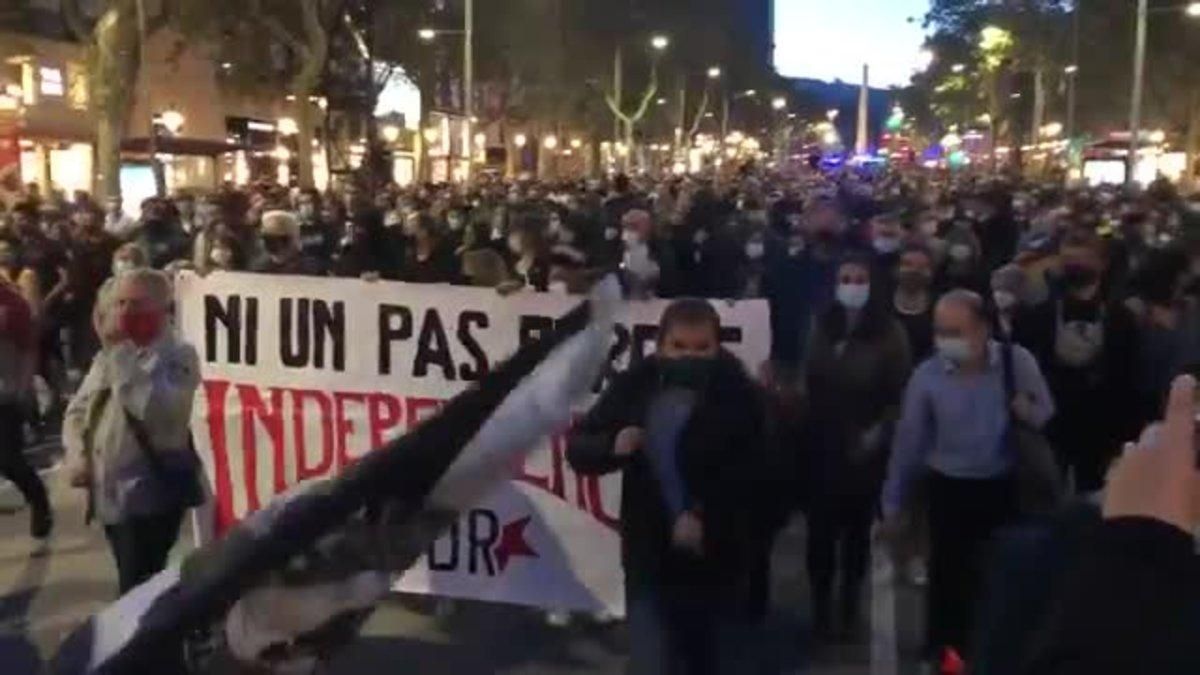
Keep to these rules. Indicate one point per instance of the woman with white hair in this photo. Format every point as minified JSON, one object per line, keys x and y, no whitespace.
{"x":126,"y":431}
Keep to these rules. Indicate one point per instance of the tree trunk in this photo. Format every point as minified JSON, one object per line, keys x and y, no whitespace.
{"x":1192,"y":144}
{"x":115,"y":60}
{"x":304,"y":139}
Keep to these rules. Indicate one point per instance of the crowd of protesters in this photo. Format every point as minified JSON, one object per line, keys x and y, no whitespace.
{"x":917,"y":319}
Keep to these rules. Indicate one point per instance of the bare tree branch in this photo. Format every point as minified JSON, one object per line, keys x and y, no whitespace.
{"x":647,"y":96}
{"x":700,"y":112}
{"x":614,"y":109}
{"x":73,"y":16}
{"x":277,"y":29}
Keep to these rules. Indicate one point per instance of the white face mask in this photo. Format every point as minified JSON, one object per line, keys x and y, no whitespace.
{"x":960,"y":252}
{"x":754,"y":250}
{"x":853,"y":296}
{"x":1004,"y":300}
{"x":221,"y":257}
{"x":954,"y":350}
{"x":886,"y":244}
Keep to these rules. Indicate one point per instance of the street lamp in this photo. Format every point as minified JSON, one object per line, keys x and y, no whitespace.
{"x":1191,"y":10}
{"x":779,"y":103}
{"x":576,"y":143}
{"x":958,"y":68}
{"x":172,"y":121}
{"x":660,"y":42}
{"x":551,"y":142}
{"x":714,"y":73}
{"x":427,"y":34}
{"x":1071,"y":69}
{"x":520,"y":140}
{"x":832,"y":114}
{"x":391,"y":133}
{"x":750,"y":92}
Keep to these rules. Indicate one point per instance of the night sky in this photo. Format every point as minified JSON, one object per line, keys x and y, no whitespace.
{"x":832,"y":39}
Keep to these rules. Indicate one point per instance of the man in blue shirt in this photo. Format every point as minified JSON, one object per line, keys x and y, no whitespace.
{"x":953,"y":430}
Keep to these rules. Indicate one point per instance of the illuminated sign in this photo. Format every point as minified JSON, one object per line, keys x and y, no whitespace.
{"x":52,"y":83}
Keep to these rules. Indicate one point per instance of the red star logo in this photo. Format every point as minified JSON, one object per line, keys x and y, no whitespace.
{"x":512,"y":543}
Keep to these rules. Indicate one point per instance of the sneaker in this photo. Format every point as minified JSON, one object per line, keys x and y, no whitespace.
{"x":41,"y":522}
{"x":558,"y":619}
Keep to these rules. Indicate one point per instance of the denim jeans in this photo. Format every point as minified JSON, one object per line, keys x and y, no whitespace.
{"x":678,"y":632}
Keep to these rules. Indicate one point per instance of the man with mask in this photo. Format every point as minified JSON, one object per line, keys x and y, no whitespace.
{"x":281,"y":253}
{"x":126,"y":431}
{"x":800,"y":285}
{"x":953,"y":434}
{"x":159,"y":236}
{"x":912,"y":301}
{"x":116,"y":222}
{"x":1086,"y":347}
{"x":90,"y":251}
{"x":887,"y":238}
{"x":318,"y":238}
{"x":686,"y":429}
{"x":648,"y":263}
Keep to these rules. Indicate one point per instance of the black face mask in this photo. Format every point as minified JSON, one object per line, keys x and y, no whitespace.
{"x":1075,"y":277}
{"x":274,"y":244}
{"x":688,"y":372}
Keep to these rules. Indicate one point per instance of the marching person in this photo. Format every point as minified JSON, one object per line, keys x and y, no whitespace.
{"x":126,"y":431}
{"x":686,"y":429}
{"x":953,"y":430}
{"x":855,"y":367}
{"x":18,"y":360}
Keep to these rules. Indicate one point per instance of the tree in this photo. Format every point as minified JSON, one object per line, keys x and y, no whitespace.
{"x":113,"y":40}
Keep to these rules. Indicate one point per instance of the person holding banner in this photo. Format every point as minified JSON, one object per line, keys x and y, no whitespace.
{"x":126,"y":431}
{"x":686,"y":428}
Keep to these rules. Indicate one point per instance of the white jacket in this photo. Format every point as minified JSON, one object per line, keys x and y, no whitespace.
{"x":157,"y":385}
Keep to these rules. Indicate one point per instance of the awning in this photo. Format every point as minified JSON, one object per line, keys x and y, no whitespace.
{"x":173,"y":145}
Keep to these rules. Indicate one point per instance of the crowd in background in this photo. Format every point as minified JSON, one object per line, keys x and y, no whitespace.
{"x":1100,"y":287}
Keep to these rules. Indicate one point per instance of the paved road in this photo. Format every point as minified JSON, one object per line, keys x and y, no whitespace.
{"x":44,"y":594}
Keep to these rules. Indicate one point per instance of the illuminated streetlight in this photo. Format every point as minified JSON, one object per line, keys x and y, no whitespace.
{"x":1193,"y":10}
{"x":551,"y":142}
{"x":427,"y":34}
{"x":391,"y":133}
{"x":576,"y":143}
{"x":172,"y":121}
{"x":750,"y":92}
{"x":660,"y":42}
{"x":1071,"y":69}
{"x":520,"y":140}
{"x":661,"y":101}
{"x":714,"y":73}
{"x":779,"y":103}
{"x":287,"y":126}
{"x":958,"y":68}
{"x":832,"y":114}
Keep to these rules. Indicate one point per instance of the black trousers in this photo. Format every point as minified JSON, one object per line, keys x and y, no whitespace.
{"x":839,"y":540}
{"x":141,"y":544}
{"x":13,"y":464}
{"x":963,"y":516}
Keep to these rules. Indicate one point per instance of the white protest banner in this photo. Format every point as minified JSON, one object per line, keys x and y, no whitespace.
{"x":303,"y":375}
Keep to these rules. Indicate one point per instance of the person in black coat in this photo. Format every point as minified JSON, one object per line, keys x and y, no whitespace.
{"x":1086,"y":346}
{"x":686,"y":429}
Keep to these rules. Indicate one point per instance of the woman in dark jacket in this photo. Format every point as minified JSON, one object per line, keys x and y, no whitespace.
{"x":856,"y":365}
{"x":686,"y":428}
